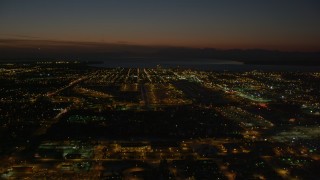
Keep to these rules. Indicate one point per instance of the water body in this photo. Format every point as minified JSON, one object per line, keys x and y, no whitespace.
{"x":201,"y":64}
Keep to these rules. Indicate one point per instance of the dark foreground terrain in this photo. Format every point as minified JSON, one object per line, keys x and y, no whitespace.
{"x":66,"y":120}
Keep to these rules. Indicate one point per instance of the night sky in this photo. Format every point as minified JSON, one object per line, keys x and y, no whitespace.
{"x":225,"y":24}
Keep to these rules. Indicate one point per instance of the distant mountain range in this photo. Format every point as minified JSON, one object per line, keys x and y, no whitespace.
{"x":31,"y":50}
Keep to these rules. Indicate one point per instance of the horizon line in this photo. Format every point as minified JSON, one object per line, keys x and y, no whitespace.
{"x":5,"y":42}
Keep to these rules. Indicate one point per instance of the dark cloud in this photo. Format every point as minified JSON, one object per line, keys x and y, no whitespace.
{"x":19,"y":36}
{"x":34,"y":49}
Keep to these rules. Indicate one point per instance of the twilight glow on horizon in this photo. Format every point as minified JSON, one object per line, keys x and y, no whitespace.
{"x":272,"y":24}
